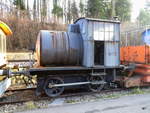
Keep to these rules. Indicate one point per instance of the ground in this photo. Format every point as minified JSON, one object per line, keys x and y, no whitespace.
{"x":126,"y":104}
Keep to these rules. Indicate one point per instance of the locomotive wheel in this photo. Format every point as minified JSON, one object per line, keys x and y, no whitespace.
{"x":96,"y":87}
{"x":53,"y":91}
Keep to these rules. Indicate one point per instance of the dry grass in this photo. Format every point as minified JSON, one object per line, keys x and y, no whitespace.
{"x":25,"y":32}
{"x":18,"y":55}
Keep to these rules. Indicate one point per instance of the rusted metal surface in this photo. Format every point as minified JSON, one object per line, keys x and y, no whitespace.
{"x":140,"y":76}
{"x":132,"y":81}
{"x":59,"y":48}
{"x":142,"y":69}
{"x":140,"y":55}
{"x":146,"y":79}
{"x":137,"y":80}
{"x":135,"y":54}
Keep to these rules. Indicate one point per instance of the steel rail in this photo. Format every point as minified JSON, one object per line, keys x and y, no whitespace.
{"x":61,"y":96}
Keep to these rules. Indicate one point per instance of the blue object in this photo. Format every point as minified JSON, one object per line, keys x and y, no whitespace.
{"x":146,"y":37}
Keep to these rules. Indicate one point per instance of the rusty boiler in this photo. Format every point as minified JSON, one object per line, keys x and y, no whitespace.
{"x":59,"y":48}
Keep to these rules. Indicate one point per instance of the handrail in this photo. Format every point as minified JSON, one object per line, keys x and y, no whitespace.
{"x":5,"y":28}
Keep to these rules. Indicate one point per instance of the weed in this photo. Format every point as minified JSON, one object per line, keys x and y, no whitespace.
{"x":71,"y":101}
{"x":136,"y":91}
{"x":30,"y":105}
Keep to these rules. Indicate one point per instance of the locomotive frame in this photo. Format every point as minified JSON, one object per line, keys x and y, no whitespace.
{"x":73,"y":77}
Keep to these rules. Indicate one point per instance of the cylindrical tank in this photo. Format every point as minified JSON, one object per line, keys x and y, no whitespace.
{"x":59,"y":48}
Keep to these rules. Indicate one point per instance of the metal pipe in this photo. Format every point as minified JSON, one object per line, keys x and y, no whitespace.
{"x":68,"y":84}
{"x":74,"y":84}
{"x":20,"y":72}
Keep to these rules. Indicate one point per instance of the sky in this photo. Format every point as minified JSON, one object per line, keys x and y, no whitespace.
{"x":136,"y":6}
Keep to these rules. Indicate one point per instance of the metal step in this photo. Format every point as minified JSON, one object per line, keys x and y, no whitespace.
{"x":97,"y":74}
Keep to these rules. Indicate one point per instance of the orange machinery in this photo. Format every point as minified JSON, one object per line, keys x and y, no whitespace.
{"x":135,"y":54}
{"x":140,"y":56}
{"x":4,"y":32}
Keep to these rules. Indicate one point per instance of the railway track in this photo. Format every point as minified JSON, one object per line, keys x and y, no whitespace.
{"x":32,"y":97}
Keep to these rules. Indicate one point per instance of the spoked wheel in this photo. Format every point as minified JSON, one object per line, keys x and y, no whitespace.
{"x":50,"y":89}
{"x":97,"y":83}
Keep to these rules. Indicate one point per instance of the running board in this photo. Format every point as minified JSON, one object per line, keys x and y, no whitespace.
{"x":98,"y":74}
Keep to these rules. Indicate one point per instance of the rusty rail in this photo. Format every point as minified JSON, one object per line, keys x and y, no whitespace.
{"x":61,"y":96}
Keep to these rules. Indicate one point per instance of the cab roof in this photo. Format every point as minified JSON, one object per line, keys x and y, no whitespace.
{"x":100,"y":20}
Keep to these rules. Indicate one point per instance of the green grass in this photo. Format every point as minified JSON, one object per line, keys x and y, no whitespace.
{"x":137,"y":91}
{"x":30,"y":105}
{"x":111,"y":96}
{"x":72,"y":101}
{"x":133,"y":91}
